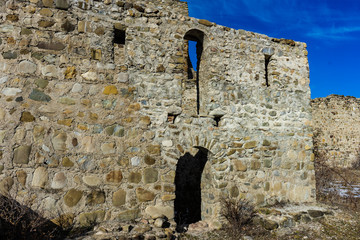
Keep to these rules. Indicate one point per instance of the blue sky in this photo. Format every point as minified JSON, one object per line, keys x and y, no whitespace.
{"x":331,"y":29}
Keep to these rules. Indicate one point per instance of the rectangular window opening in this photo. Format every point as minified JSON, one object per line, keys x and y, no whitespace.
{"x":119,"y":36}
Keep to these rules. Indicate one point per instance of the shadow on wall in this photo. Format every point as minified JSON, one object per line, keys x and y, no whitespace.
{"x":18,"y":222}
{"x":188,"y":188}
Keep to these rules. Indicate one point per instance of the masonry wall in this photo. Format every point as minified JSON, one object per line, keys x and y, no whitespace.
{"x":337,"y":129}
{"x":97,"y":108}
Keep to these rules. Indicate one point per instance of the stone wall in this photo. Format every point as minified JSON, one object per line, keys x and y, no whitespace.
{"x":337,"y":129}
{"x":97,"y":107}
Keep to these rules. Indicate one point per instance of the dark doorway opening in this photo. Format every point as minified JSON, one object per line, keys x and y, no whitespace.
{"x":187,"y":204}
{"x":195,"y":48}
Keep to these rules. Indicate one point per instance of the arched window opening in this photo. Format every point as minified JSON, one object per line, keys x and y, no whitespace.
{"x":195,"y":40}
{"x":187,"y":205}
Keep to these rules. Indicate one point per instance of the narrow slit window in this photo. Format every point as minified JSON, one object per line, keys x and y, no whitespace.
{"x":195,"y":39}
{"x":268,"y":52}
{"x":267,"y":60}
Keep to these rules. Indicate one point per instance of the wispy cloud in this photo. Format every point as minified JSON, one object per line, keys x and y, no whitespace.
{"x":281,"y":17}
{"x":334,"y":33}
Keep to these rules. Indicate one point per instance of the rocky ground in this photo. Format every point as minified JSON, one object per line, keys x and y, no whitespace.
{"x":316,"y":222}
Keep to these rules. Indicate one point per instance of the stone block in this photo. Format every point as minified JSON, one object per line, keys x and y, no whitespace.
{"x":21,"y":154}
{"x":119,"y":198}
{"x":95,"y":197}
{"x":56,"y":46}
{"x":39,"y":96}
{"x":27,"y":117}
{"x":134,"y":177}
{"x":62,"y":4}
{"x":240,"y":166}
{"x":72,"y":197}
{"x":90,"y":218}
{"x":92,"y":181}
{"x":250,"y":145}
{"x":144,"y":195}
{"x":40,"y":177}
{"x":21,"y":177}
{"x":159,"y":211}
{"x":129,"y":215}
{"x":59,"y":141}
{"x":108,"y":148}
{"x":114,"y":176}
{"x":27,"y":67}
{"x":150,"y":175}
{"x":59,"y":181}
{"x":6,"y":185}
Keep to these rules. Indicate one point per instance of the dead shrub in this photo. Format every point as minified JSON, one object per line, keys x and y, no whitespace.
{"x":238,"y":213}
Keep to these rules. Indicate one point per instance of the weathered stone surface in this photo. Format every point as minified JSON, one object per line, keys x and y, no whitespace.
{"x":315,"y":213}
{"x":150,"y":175}
{"x":110,"y":90}
{"x":40,"y":177}
{"x":91,"y":180}
{"x":240,"y":166}
{"x":70,"y":72}
{"x":38,"y":95}
{"x":66,"y":162}
{"x":269,"y":224}
{"x":119,"y":198}
{"x":9,"y":55}
{"x":59,"y":141}
{"x":46,"y":12}
{"x":6,"y":185}
{"x":159,"y":211}
{"x":4,"y":79}
{"x":149,"y":160}
{"x":11,"y":91}
{"x":67,"y":101}
{"x":49,"y":71}
{"x":95,"y":197}
{"x":67,"y":26}
{"x":144,"y":195}
{"x":108,"y":148}
{"x":129,"y":215}
{"x":205,"y":22}
{"x":27,"y":67}
{"x":56,"y":46}
{"x":72,"y":197}
{"x":21,"y":177}
{"x":48,"y":3}
{"x":27,"y":117}
{"x":21,"y":154}
{"x":45,"y":23}
{"x":59,"y":181}
{"x":134,"y":177}
{"x":89,"y":218}
{"x":91,"y":76}
{"x":114,"y":176}
{"x":249,"y":145}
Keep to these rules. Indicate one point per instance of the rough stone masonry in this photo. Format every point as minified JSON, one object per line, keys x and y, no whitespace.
{"x":99,"y":104}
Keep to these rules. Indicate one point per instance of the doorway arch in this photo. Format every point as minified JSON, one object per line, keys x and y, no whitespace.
{"x":188,"y":175}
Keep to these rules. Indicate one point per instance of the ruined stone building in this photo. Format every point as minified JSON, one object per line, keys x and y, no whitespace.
{"x":336,"y":128}
{"x":103,"y":115}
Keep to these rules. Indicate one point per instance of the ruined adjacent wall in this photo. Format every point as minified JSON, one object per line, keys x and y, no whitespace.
{"x":95,"y":128}
{"x":337,"y":129}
